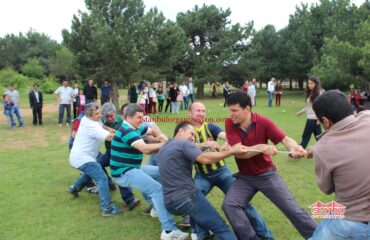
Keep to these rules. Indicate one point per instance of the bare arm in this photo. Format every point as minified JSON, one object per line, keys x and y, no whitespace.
{"x":258,"y":149}
{"x":109,"y":137}
{"x":296,"y":150}
{"x":211,"y":157}
{"x":147,"y":148}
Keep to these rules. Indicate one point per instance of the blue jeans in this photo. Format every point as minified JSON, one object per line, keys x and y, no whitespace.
{"x":61,"y":113}
{"x":270,"y":96}
{"x":174,"y":107}
{"x":15,"y":111}
{"x":185,"y":103}
{"x":191,"y":97}
{"x":126,"y":193}
{"x":141,"y":180}
{"x":203,"y":214}
{"x":10,"y":119}
{"x":153,"y":160}
{"x":94,"y":170}
{"x":341,"y":229}
{"x":223,"y":179}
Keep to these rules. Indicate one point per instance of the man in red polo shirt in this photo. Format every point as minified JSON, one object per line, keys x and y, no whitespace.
{"x":257,"y":172}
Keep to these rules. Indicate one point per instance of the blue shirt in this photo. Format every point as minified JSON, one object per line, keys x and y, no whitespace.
{"x":105,"y":91}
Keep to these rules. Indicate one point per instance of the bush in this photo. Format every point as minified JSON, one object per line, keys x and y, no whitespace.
{"x":49,"y":84}
{"x":10,"y":76}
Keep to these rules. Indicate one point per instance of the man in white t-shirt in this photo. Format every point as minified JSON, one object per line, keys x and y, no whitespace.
{"x":84,"y":153}
{"x":271,"y":90}
{"x":64,"y":97}
{"x":185,"y":93}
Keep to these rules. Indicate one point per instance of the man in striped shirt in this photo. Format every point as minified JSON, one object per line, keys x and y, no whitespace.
{"x":127,"y":151}
{"x":217,"y":174}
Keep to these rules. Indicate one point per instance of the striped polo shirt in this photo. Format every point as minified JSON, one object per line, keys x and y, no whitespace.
{"x":123,"y":155}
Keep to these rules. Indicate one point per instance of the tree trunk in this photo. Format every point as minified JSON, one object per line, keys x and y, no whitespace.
{"x":261,"y":84}
{"x":290,"y":84}
{"x":115,"y":96}
{"x":200,"y":90}
{"x":300,"y":84}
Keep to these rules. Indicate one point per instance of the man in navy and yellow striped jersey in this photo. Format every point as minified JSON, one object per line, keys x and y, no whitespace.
{"x":217,"y":174}
{"x":127,"y":151}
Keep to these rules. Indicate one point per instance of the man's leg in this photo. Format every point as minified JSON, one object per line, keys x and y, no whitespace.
{"x":204,"y":186}
{"x":68,"y":106}
{"x":94,"y":170}
{"x":341,"y":229}
{"x":61,"y":113}
{"x":223,"y":180}
{"x":34,"y":115}
{"x":19,"y":117}
{"x":240,"y":193}
{"x":204,"y":215}
{"x":274,"y":188}
{"x":138,"y":179}
{"x":153,"y":161}
{"x":39,"y":114}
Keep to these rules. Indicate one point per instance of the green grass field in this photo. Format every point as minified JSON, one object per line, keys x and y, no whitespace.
{"x":35,"y":174}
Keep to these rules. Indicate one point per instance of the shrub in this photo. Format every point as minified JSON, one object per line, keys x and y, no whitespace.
{"x":10,"y":76}
{"x":49,"y":84}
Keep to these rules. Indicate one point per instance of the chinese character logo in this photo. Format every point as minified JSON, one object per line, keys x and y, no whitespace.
{"x":327,"y":210}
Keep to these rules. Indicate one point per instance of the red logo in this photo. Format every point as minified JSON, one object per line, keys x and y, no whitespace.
{"x":327,"y":210}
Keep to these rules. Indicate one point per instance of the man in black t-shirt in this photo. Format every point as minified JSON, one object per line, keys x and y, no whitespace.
{"x":90,"y":92}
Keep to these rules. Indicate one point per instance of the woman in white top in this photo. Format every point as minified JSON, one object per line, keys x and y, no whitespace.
{"x":313,"y":90}
{"x":252,"y":91}
{"x":152,"y":99}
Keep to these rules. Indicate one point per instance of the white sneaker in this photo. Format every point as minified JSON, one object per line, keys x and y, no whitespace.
{"x":194,"y":236}
{"x":153,"y":213}
{"x":174,"y":235}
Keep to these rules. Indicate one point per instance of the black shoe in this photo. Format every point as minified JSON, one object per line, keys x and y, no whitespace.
{"x":146,"y":211}
{"x":185,"y":223}
{"x":133,"y":204}
{"x":73,"y":190}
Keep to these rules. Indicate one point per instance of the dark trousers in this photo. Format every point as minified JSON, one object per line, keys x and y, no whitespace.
{"x":168,"y":103}
{"x":75,"y":107}
{"x":311,"y":127}
{"x":160,"y":105}
{"x":61,"y":113}
{"x":274,"y":188}
{"x":225,"y":103}
{"x":37,"y":114}
{"x":277,"y":99}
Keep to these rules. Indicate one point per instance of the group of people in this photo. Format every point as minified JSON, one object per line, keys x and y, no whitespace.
{"x":79,"y":98}
{"x":171,"y":189}
{"x":177,"y":97}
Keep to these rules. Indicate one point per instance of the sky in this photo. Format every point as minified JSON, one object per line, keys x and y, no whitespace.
{"x":51,"y":16}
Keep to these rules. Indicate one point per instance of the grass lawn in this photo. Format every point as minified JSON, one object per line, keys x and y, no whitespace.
{"x":35,"y":174}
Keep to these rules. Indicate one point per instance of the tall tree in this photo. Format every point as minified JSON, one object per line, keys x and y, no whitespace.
{"x":213,"y":42}
{"x":115,"y":40}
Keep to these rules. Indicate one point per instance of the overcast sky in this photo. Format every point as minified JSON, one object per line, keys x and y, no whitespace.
{"x":51,"y":16}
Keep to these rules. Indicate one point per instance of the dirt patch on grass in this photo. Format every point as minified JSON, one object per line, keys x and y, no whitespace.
{"x":25,"y":138}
